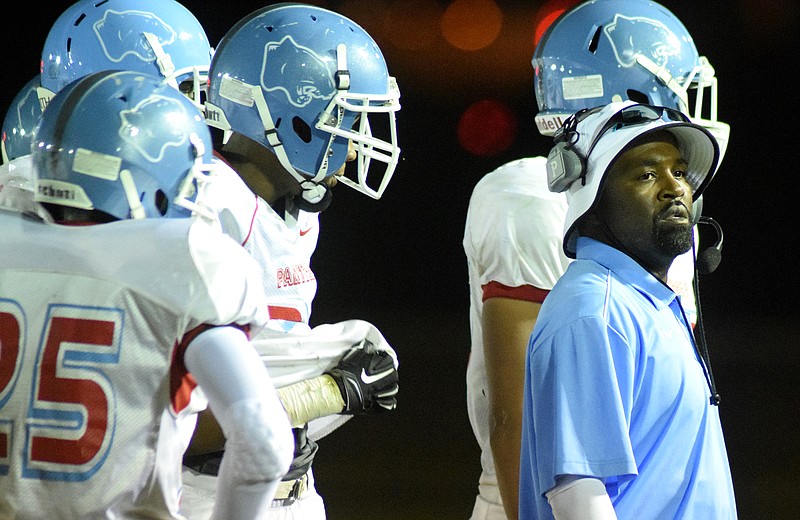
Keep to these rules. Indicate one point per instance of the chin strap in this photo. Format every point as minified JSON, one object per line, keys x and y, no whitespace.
{"x":665,"y":77}
{"x":132,"y":195}
{"x":196,"y":182}
{"x":314,"y":207}
{"x":271,"y":136}
{"x":313,"y":189}
{"x":705,"y":77}
{"x":167,"y":69}
{"x":313,"y":192}
{"x":163,"y":59}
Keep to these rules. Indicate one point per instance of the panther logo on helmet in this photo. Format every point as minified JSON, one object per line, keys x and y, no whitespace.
{"x":27,"y":110}
{"x":118,"y":40}
{"x":143,"y":130}
{"x":313,"y":80}
{"x":625,"y":35}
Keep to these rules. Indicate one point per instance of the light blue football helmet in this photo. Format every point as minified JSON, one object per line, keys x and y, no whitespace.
{"x":19,"y":122}
{"x":158,"y":37}
{"x":124,"y":143}
{"x":604,"y":51}
{"x":304,"y":82}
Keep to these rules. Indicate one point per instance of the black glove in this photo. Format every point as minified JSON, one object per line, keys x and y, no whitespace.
{"x":367,"y":379}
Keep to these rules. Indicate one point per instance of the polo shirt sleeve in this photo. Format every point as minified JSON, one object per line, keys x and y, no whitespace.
{"x":581,"y":385}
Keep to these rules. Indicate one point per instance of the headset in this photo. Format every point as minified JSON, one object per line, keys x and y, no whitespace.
{"x":565,"y":164}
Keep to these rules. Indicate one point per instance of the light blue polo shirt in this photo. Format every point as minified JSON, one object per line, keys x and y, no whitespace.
{"x":615,"y":389}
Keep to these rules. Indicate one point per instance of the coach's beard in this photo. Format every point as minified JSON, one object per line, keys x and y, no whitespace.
{"x":672,"y":240}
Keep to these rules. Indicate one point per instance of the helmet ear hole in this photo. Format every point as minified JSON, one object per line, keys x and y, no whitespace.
{"x":161,"y":202}
{"x":638,"y":97}
{"x":595,"y":39}
{"x":301,"y":129}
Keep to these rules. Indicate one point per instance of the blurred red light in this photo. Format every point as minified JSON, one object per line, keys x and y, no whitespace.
{"x":487,"y":128}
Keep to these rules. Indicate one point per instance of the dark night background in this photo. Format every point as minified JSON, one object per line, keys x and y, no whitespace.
{"x":398,"y":262}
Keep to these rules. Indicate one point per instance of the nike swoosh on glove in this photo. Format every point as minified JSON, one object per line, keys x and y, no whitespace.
{"x":367,"y":379}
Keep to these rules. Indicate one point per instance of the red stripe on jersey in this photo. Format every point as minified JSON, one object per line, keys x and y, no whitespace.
{"x":527,"y":293}
{"x":181,"y":382}
{"x":276,"y":312}
{"x":252,"y":221}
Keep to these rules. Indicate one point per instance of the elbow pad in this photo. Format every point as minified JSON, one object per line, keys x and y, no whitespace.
{"x":259,"y":443}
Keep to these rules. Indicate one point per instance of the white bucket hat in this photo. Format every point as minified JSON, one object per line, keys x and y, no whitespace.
{"x":602,"y":134}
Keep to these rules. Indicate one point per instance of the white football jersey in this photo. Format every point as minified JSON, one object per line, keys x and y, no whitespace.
{"x":513,"y":243}
{"x":282,"y":245}
{"x":96,"y":406}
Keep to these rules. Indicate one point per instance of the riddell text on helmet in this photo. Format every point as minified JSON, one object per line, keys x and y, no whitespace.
{"x":57,"y":193}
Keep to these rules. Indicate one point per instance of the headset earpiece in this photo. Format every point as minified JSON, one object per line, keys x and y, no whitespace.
{"x":564,"y":166}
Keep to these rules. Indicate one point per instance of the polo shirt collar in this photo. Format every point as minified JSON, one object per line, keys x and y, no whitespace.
{"x":626,"y":269}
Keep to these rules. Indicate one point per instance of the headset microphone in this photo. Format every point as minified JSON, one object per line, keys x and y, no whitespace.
{"x":705,"y":263}
{"x":708,"y":260}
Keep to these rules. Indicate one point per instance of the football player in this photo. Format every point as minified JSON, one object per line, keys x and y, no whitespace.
{"x":297,"y":92}
{"x":122,"y":318}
